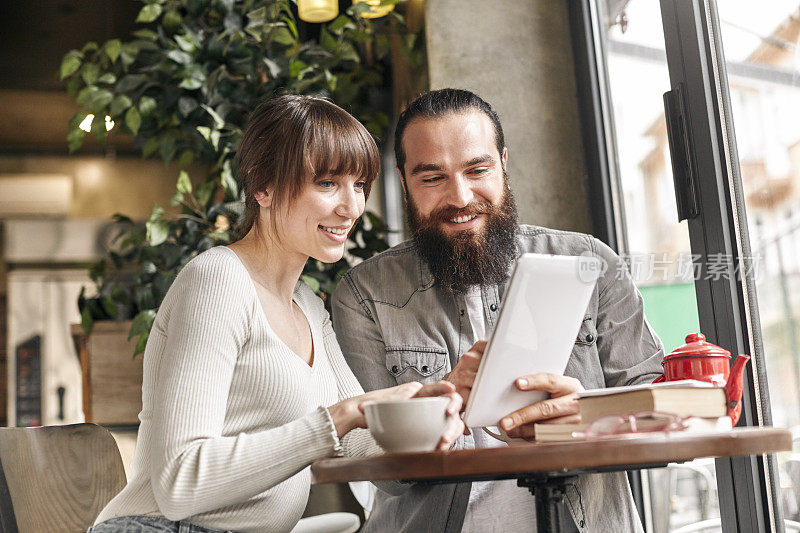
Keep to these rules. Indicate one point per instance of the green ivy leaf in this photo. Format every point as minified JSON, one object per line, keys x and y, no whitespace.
{"x":75,"y":139}
{"x":205,"y":131}
{"x":327,"y":41}
{"x":70,"y":63}
{"x":141,"y":343}
{"x":184,"y":183}
{"x":204,"y":192}
{"x":292,"y":27}
{"x":171,"y":20}
{"x":185,"y":43}
{"x":296,"y":67}
{"x":147,"y":105}
{"x":133,"y":120}
{"x":94,"y":98}
{"x":177,"y":199}
{"x":257,"y":16}
{"x":130,"y":83}
{"x":348,"y":53}
{"x":185,"y":159}
{"x":157,"y":226}
{"x":191,"y":83}
{"x":73,"y":84}
{"x":149,"y":13}
{"x":108,"y":78}
{"x":228,"y":182}
{"x":128,"y":54}
{"x":150,"y":146}
{"x":218,"y":121}
{"x":166,"y":146}
{"x":85,"y":95}
{"x":112,"y":49}
{"x":311,"y":282}
{"x":147,"y":35}
{"x":87,"y":322}
{"x":186,"y":105}
{"x":142,"y":323}
{"x":109,"y":306}
{"x":339,"y":23}
{"x":283,"y":36}
{"x":179,"y":56}
{"x":119,"y":104}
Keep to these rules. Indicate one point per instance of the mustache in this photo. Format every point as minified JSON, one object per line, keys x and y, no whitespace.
{"x":447,"y":213}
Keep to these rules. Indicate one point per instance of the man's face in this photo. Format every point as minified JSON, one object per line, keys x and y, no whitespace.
{"x":459,"y":207}
{"x":453,"y":170}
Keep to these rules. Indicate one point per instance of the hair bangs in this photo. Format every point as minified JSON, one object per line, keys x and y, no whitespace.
{"x":337,"y":144}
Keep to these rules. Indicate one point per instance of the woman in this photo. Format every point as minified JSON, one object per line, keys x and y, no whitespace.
{"x":244,"y":382}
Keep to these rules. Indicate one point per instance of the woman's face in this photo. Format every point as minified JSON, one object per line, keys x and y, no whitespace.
{"x":317,"y":222}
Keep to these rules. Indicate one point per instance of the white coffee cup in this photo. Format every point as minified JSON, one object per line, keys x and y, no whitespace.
{"x":405,"y":426}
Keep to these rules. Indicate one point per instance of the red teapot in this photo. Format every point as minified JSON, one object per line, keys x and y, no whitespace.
{"x":704,"y":361}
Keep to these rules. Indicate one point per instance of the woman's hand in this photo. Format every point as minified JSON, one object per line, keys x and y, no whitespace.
{"x":455,"y":426}
{"x":349,"y":414}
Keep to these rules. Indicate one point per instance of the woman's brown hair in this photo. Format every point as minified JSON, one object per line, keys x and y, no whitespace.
{"x":290,"y":140}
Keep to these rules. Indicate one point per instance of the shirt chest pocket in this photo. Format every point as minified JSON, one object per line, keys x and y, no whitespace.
{"x":414,"y":363}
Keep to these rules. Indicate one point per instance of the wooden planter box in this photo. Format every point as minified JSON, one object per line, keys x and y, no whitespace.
{"x":112,"y":377}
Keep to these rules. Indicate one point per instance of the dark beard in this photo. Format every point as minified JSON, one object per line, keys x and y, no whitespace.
{"x":467,"y":258}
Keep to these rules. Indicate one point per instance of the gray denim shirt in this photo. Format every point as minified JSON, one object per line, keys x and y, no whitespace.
{"x":396,"y":325}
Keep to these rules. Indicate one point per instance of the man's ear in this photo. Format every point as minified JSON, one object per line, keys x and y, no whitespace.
{"x":263,"y":198}
{"x":504,"y":157}
{"x":402,"y":180}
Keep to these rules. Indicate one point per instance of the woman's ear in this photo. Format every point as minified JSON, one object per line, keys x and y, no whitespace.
{"x":263,"y":198}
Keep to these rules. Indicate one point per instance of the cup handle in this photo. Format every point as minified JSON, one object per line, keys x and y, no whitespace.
{"x":503,"y":437}
{"x":495,"y":435}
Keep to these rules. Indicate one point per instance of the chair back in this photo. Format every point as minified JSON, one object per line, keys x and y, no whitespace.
{"x":56,"y":478}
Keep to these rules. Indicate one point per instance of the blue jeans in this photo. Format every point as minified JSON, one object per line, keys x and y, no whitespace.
{"x":147,"y":524}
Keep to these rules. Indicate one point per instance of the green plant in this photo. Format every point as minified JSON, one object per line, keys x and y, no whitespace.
{"x":183,"y":87}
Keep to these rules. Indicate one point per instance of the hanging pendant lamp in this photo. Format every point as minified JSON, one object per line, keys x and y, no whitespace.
{"x":317,"y":10}
{"x":376,"y":9}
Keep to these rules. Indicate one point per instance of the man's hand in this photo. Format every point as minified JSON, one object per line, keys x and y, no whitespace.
{"x":463,"y":375}
{"x":561,"y":408}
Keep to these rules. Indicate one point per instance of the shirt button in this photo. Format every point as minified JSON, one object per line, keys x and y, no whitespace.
{"x":493,"y":307}
{"x":462,"y":312}
{"x":589,"y":337}
{"x":424,"y":368}
{"x":394,"y":369}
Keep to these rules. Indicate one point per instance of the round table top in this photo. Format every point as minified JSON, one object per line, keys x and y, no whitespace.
{"x":639,"y":451}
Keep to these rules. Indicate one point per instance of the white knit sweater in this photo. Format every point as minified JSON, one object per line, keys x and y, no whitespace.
{"x":231,"y":417}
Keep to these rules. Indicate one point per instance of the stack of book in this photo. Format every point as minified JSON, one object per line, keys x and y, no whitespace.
{"x":700,"y":404}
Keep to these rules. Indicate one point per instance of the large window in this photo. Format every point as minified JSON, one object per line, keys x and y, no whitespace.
{"x":731,"y":268}
{"x":655,"y":245}
{"x":760,"y":45}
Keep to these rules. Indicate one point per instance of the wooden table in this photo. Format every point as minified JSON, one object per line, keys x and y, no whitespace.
{"x":547,"y":468}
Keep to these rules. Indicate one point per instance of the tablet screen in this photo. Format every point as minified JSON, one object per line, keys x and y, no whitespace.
{"x":541,"y":315}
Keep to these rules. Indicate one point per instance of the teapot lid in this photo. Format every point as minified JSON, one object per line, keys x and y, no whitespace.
{"x":696,"y":344}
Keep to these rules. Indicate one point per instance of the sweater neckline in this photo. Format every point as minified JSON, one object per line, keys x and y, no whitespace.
{"x":296,"y":299}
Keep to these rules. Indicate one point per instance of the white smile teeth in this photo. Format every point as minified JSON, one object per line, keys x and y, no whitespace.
{"x":462,"y":219}
{"x":335,"y":231}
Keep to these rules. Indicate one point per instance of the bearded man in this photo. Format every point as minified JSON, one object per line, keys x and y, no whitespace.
{"x":409,"y":313}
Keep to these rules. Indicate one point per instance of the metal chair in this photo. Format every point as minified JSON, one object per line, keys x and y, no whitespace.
{"x":56,"y":478}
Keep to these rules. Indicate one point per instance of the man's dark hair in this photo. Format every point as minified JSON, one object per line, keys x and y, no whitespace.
{"x":439,"y":103}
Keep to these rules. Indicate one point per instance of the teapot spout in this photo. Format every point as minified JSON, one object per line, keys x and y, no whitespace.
{"x":734,"y":388}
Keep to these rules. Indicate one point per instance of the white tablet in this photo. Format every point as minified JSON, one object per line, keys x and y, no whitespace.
{"x":543,"y":307}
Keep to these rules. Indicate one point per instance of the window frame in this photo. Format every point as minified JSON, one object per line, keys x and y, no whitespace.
{"x":727,"y":307}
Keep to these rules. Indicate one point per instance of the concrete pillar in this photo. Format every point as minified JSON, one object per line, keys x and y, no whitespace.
{"x":517,"y":55}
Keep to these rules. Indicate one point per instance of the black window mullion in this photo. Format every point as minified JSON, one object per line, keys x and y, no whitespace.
{"x":712,"y":234}
{"x":597,"y":128}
